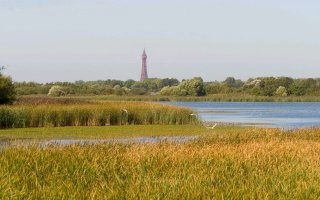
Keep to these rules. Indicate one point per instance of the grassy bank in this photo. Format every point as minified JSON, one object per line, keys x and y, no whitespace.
{"x":227,"y":163}
{"x":92,"y":114}
{"x":101,"y":132}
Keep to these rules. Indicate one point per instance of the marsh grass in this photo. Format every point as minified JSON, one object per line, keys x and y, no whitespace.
{"x":93,"y":114}
{"x":226,"y":163}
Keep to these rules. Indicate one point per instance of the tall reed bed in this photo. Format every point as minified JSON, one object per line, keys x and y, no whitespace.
{"x":93,"y":114}
{"x":246,"y":164}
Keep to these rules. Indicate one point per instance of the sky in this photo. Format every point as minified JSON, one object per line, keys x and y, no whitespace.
{"x":69,"y":40}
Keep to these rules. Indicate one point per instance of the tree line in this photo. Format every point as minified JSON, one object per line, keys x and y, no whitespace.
{"x":260,"y":86}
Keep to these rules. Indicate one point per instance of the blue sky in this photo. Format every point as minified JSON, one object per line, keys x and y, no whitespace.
{"x":68,"y":40}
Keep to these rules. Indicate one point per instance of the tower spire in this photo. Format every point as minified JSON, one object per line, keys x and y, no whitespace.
{"x":144,"y":72}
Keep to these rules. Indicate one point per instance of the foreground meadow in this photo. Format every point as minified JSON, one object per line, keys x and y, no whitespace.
{"x":224,"y":163}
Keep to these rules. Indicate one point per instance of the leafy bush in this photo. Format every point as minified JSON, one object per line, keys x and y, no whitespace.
{"x":7,"y":90}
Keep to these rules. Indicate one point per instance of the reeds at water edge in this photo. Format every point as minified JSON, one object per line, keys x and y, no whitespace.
{"x":93,"y":114}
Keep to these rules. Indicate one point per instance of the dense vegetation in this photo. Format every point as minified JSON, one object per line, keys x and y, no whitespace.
{"x":93,"y":114}
{"x":7,"y":90}
{"x":227,"y":163}
{"x":261,"y":86}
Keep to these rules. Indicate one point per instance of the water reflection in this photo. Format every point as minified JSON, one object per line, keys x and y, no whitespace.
{"x":64,"y":142}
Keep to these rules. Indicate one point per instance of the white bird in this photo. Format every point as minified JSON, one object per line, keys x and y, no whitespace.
{"x":124,"y":110}
{"x":212,"y":127}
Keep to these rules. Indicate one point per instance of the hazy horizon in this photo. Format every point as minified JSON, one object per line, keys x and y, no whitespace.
{"x":48,"y":41}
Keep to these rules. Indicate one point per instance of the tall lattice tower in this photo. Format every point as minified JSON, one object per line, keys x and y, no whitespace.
{"x":144,"y":72}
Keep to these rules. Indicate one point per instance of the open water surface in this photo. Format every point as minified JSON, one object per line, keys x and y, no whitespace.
{"x":285,"y":115}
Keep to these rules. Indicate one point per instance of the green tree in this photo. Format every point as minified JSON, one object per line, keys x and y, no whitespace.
{"x":169,"y":82}
{"x":217,"y":88}
{"x":233,"y":83}
{"x":284,"y":81}
{"x":170,"y":91}
{"x":268,"y":86}
{"x":129,"y":83}
{"x":302,"y":86}
{"x":192,"y":87}
{"x":152,"y":84}
{"x":7,"y":89}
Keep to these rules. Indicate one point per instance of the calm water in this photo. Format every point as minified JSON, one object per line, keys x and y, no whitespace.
{"x":64,"y":142}
{"x":271,"y":114}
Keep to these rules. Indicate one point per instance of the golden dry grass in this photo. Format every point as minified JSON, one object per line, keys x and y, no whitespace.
{"x":226,"y":163}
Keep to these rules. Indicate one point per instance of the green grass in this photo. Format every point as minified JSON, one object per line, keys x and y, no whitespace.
{"x":226,"y":163}
{"x":101,"y":132}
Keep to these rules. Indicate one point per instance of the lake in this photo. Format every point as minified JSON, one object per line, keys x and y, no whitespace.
{"x":286,"y":115}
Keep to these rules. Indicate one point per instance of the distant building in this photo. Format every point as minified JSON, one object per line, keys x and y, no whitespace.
{"x":144,"y":72}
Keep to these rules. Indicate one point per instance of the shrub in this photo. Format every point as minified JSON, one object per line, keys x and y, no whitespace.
{"x":7,"y":90}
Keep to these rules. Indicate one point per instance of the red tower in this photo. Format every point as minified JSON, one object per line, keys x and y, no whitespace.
{"x":144,"y":72}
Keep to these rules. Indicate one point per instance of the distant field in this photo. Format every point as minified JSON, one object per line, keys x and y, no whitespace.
{"x":225,"y":163}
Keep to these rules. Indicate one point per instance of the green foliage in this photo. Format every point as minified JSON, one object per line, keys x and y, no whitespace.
{"x":261,"y":86}
{"x":284,"y":81}
{"x":169,"y":91}
{"x":297,"y":89}
{"x":27,"y":88}
{"x":169,"y":82}
{"x":138,"y":91}
{"x":281,"y":91}
{"x":191,"y":87}
{"x":152,"y":85}
{"x":268,"y":86}
{"x":217,"y":88}
{"x":7,"y":90}
{"x":233,"y":83}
